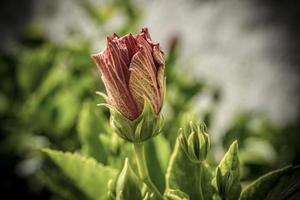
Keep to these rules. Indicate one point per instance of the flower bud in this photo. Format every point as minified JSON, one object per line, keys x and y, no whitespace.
{"x":132,"y":69}
{"x":127,"y":187}
{"x":194,"y":141}
{"x":227,"y":180}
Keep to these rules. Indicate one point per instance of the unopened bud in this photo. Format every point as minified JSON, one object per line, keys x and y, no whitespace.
{"x":194,"y":141}
{"x":128,"y":187}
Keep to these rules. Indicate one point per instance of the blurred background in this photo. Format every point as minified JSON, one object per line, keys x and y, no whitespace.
{"x":234,"y":63}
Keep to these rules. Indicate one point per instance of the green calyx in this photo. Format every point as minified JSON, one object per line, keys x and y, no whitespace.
{"x":194,"y":141}
{"x":146,"y":126}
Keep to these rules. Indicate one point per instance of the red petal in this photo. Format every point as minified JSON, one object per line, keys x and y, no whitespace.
{"x":131,"y":45}
{"x":115,"y":75}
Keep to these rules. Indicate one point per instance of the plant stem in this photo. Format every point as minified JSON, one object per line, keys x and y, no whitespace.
{"x":143,"y":170}
{"x":200,"y":176}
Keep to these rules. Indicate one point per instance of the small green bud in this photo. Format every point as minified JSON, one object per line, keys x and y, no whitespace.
{"x":128,"y":186}
{"x":227,"y":180}
{"x":146,"y":126}
{"x":194,"y":141}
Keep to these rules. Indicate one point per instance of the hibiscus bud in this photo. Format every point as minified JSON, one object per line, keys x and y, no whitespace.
{"x":194,"y":141}
{"x":132,"y":69}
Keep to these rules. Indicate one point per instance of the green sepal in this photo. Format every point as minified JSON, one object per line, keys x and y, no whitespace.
{"x":227,"y":180}
{"x":146,"y":126}
{"x":128,"y":185}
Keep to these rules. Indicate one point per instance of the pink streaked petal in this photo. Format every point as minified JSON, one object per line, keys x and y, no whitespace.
{"x":145,"y":33}
{"x":98,"y":58}
{"x":120,"y":95}
{"x":142,"y":42}
{"x":141,"y":82}
{"x":160,"y":83}
{"x":146,"y":63}
{"x":119,"y":98}
{"x":146,"y":49}
{"x":158,"y":55}
{"x":117,"y":90}
{"x":118,"y":57}
{"x":112,"y":37}
{"x":131,"y":44}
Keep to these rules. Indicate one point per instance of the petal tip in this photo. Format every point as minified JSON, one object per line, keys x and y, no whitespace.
{"x":145,"y":30}
{"x":112,"y":37}
{"x":95,"y":56}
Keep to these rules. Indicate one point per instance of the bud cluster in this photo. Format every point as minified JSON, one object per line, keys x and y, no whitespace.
{"x":194,"y":141}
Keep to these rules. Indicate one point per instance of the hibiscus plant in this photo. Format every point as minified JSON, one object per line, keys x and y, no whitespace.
{"x":130,"y":157}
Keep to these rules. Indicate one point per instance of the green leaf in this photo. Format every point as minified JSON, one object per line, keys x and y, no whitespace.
{"x":117,"y":150}
{"x":52,"y":178}
{"x":185,"y":176}
{"x":206,"y":180}
{"x":128,"y":185}
{"x":33,"y":65}
{"x":281,"y":184}
{"x":89,"y":176}
{"x":52,"y":104}
{"x":158,"y":153}
{"x":163,"y":147}
{"x":227,"y":180}
{"x":60,"y":106}
{"x":91,"y":124}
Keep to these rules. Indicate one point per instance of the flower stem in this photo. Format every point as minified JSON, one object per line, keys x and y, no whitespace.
{"x":143,"y":170}
{"x":200,"y":183}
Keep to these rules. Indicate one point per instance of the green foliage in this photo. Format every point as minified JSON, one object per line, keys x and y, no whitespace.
{"x":47,"y":100}
{"x":52,"y":178}
{"x":91,"y":124}
{"x":158,"y":153}
{"x":192,"y":178}
{"x":33,"y":66}
{"x":116,"y":149}
{"x":264,"y":146}
{"x":91,"y":177}
{"x":279,"y":184}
